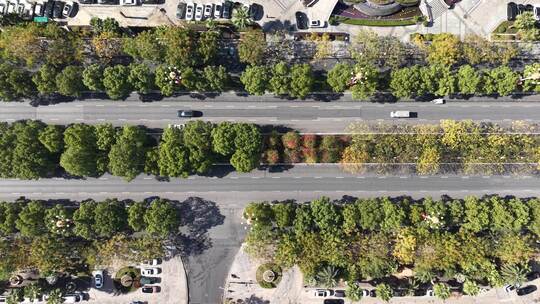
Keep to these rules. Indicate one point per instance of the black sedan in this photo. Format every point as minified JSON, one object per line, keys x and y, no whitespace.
{"x":58,"y":6}
{"x":301,"y":21}
{"x":526,"y":290}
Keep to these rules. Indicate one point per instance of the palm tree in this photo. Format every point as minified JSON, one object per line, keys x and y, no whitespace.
{"x":241,"y":18}
{"x":514,"y":274}
{"x":327,"y":276}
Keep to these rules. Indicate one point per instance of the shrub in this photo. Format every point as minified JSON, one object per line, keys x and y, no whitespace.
{"x":291,"y":140}
{"x":330,"y":156}
{"x":309,"y":141}
{"x":310,"y":155}
{"x":354,"y":292}
{"x":272,"y":156}
{"x":441,"y":291}
{"x":292,"y":156}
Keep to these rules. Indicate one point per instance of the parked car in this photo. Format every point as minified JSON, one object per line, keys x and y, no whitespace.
{"x":430,"y":293}
{"x":255,"y":12}
{"x":108,"y":2}
{"x":321,"y":293}
{"x":533,"y":276}
{"x":226,"y":13}
{"x":87,"y":1}
{"x":217,"y":10}
{"x":198,"y":12}
{"x":98,"y":278}
{"x":152,"y":262}
{"x":151,"y":289}
{"x":48,"y":9}
{"x":148,"y":280}
{"x":58,"y":9}
{"x":526,"y":290}
{"x":2,"y":11}
{"x":189,"y":11}
{"x":180,"y":10}
{"x":39,"y":9}
{"x":10,"y":8}
{"x":68,"y":9}
{"x":152,"y":2}
{"x":536,"y":12}
{"x":333,"y":301}
{"x":365,"y":293}
{"x":373,"y":293}
{"x":207,"y":11}
{"x":438,"y":101}
{"x":128,"y":2}
{"x":20,"y":8}
{"x":72,"y":298}
{"x":301,"y":20}
{"x":339,"y":293}
{"x":150,"y":271}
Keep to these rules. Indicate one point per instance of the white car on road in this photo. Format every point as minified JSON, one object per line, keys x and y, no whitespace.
{"x":150,"y":271}
{"x":190,"y":7}
{"x":207,"y":11}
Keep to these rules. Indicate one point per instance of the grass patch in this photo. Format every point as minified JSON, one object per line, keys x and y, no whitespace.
{"x":379,"y":22}
{"x":268,"y":267}
{"x":506,"y":27}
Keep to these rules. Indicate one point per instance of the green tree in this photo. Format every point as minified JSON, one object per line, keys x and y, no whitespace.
{"x":30,"y":222}
{"x":284,"y":214}
{"x":166,"y":85}
{"x":141,"y":78}
{"x":526,"y":25}
{"x":126,"y":157}
{"x":52,"y":137}
{"x":15,"y":83}
{"x":241,"y":18}
{"x":144,"y":46}
{"x":136,"y":214}
{"x":69,"y":81}
{"x":115,"y":81}
{"x":243,"y":161}
{"x":280,"y":81}
{"x":192,"y":80}
{"x":252,"y":47}
{"x":470,"y":288}
{"x":255,"y":79}
{"x":469,"y":80}
{"x":534,"y":211}
{"x":207,"y":46}
{"x":512,"y":248}
{"x":353,"y":292}
{"x":105,"y":136}
{"x":33,"y":291}
{"x":30,"y":159}
{"x":445,"y":49}
{"x":109,"y":218}
{"x":327,"y":276}
{"x":10,"y":215}
{"x":55,"y":297}
{"x":197,"y":138}
{"x":326,"y":215}
{"x":339,"y":77}
{"x":80,"y":154}
{"x":161,"y":218}
{"x":501,"y":80}
{"x":441,"y":291}
{"x":173,"y":158}
{"x":58,"y":220}
{"x":301,"y":80}
{"x":217,"y":78}
{"x":92,"y":77}
{"x":364,"y":81}
{"x":405,"y":82}
{"x":384,"y":292}
{"x":105,"y":25}
{"x":476,"y":214}
{"x":45,"y":79}
{"x":83,"y":218}
{"x":15,"y":296}
{"x":179,"y":45}
{"x":223,"y":136}
{"x":531,"y":76}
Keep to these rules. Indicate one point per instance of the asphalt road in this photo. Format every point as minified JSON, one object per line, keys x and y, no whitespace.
{"x":301,"y":183}
{"x":319,"y":117}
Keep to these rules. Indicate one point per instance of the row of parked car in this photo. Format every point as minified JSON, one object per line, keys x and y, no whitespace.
{"x":513,"y":10}
{"x":194,"y":11}
{"x":50,"y":9}
{"x":121,"y":2}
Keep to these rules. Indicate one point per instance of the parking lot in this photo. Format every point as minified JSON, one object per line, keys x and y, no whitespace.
{"x":172,"y":287}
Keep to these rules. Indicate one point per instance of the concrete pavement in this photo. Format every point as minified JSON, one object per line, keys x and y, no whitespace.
{"x":317,"y":117}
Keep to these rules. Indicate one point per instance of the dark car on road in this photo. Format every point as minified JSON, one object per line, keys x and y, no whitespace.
{"x":150,"y":289}
{"x":87,"y":1}
{"x":57,"y":9}
{"x":533,"y":276}
{"x":185,"y":113}
{"x":301,"y":20}
{"x":526,"y":290}
{"x":339,"y":293}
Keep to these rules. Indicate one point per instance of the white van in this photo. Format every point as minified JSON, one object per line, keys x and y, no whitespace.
{"x":400,"y":114}
{"x":73,"y":298}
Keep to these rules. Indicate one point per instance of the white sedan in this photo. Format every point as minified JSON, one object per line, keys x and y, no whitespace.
{"x":207,"y":11}
{"x":189,"y":11}
{"x":150,"y":271}
{"x":198,"y":12}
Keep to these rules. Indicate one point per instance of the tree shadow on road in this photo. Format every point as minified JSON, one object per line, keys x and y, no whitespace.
{"x":197,"y":217}
{"x":251,"y":300}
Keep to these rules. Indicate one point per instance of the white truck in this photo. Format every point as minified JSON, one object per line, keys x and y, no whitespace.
{"x":400,"y":114}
